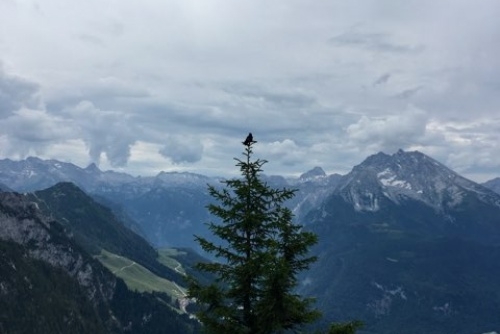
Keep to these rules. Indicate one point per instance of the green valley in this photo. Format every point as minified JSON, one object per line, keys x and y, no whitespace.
{"x":137,"y":277}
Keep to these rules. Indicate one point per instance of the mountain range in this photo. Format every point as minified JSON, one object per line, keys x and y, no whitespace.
{"x":405,"y":244}
{"x":166,"y":209}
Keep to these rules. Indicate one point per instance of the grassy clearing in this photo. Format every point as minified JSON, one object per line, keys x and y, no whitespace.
{"x":167,"y":258}
{"x":137,"y":277}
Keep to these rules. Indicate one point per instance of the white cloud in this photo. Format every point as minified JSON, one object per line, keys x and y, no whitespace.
{"x":389,"y":132}
{"x":286,"y":152}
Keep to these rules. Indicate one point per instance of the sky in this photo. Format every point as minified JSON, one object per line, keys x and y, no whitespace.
{"x":176,"y":85}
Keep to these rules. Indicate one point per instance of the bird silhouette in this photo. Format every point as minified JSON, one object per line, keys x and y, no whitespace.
{"x":249,"y":140}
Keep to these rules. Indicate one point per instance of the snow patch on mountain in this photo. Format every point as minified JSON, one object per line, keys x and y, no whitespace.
{"x":382,"y":306}
{"x":390,"y":179}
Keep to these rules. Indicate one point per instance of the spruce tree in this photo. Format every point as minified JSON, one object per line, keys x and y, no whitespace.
{"x":259,"y":253}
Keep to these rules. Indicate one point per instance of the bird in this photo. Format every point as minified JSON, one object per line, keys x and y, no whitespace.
{"x":249,"y":140}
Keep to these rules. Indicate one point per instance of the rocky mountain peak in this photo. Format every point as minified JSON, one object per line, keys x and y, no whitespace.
{"x":92,"y":168}
{"x":316,"y":172}
{"x":404,"y":175}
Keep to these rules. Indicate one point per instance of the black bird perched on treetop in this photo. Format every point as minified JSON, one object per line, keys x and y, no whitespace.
{"x":248,"y":140}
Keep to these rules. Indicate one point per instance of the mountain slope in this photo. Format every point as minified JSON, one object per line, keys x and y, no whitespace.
{"x":27,"y":282}
{"x":406,"y":243}
{"x":36,"y":249}
{"x":49,"y":284}
{"x":412,"y":191}
{"x":94,"y":226}
{"x":403,"y":282}
{"x":493,"y":185}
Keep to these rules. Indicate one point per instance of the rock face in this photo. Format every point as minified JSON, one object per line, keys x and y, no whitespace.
{"x":22,"y":223}
{"x":41,"y":243}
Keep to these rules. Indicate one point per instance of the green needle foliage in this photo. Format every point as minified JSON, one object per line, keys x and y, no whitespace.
{"x":260,"y":253}
{"x":345,"y":328}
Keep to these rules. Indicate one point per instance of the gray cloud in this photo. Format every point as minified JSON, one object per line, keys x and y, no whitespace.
{"x":286,"y":151}
{"x":104,"y":132}
{"x":16,"y":92}
{"x":379,"y":42}
{"x":382,"y":79}
{"x":391,"y":132}
{"x":85,"y":38}
{"x":268,"y":98}
{"x":34,"y":126}
{"x":408,"y":93}
{"x":182,"y":149}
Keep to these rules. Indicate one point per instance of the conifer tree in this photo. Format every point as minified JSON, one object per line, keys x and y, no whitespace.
{"x":260,"y":251}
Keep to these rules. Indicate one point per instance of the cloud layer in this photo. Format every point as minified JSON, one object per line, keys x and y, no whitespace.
{"x":177,"y":85}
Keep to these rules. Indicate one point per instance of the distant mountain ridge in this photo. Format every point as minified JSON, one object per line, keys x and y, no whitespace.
{"x":36,"y":174}
{"x":165,"y":206}
{"x":170,"y":207}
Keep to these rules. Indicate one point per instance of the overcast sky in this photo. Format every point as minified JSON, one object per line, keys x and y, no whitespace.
{"x":150,"y":85}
